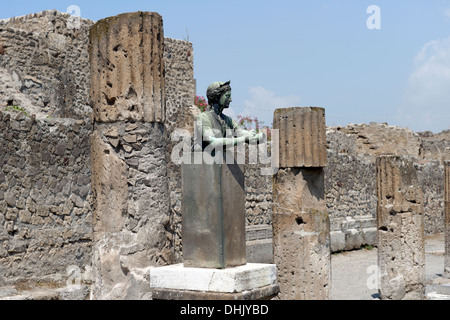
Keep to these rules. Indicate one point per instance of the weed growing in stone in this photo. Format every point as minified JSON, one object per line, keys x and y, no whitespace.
{"x":16,"y":109}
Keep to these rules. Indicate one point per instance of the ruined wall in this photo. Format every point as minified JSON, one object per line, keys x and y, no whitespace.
{"x":379,"y":138}
{"x":436,"y":146}
{"x":350,"y":186}
{"x":45,"y":64}
{"x":45,"y":197}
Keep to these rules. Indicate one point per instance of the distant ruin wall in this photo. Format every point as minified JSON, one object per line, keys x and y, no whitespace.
{"x":351,"y":201}
{"x":351,"y":177}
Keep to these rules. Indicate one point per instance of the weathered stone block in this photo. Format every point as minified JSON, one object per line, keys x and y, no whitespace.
{"x":233,"y":280}
{"x":109,"y":187}
{"x":370,"y":236}
{"x":10,"y":199}
{"x":353,"y":239}
{"x":401,"y":247}
{"x":260,"y":251}
{"x":302,"y":137}
{"x":213,"y":215}
{"x":301,"y":234}
{"x":337,"y":241}
{"x":265,"y":293}
{"x":127,"y":68}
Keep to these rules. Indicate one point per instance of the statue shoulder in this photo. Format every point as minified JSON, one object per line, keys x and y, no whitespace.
{"x":204,"y":118}
{"x":230,"y":122}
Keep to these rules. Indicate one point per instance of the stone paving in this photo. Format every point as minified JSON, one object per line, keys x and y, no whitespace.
{"x":351,"y":272}
{"x":349,"y":277}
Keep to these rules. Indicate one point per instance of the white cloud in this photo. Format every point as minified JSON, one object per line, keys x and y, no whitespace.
{"x":447,"y":12}
{"x":263,"y":102}
{"x":427,"y":97}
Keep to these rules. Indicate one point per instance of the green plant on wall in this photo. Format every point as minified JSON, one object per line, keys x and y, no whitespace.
{"x":16,"y":109}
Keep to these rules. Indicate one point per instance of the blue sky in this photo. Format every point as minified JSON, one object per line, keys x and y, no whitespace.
{"x":308,"y":53}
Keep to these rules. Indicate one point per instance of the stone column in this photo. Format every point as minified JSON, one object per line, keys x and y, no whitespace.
{"x":301,"y":225}
{"x":129,"y":174}
{"x":401,"y":249}
{"x":447,"y":218}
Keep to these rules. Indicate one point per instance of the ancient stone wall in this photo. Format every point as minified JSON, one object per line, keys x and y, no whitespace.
{"x":351,"y":199}
{"x":45,"y":197}
{"x":436,"y":146}
{"x":380,"y":138}
{"x":46,"y":65}
{"x":447,"y":219}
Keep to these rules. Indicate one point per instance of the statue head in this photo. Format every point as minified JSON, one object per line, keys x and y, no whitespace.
{"x":219,"y":93}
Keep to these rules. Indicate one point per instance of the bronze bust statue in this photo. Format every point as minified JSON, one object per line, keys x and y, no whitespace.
{"x":212,"y":125}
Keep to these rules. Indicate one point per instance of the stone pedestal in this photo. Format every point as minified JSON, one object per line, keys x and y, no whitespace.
{"x":401,"y":249}
{"x":248,"y":282}
{"x":301,"y":225}
{"x":447,"y":218}
{"x":213,"y":207}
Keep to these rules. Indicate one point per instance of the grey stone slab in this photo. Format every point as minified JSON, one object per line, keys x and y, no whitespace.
{"x":265,"y":293}
{"x":213,"y":215}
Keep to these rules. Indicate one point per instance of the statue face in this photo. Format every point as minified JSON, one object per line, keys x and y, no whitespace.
{"x":225,"y":99}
